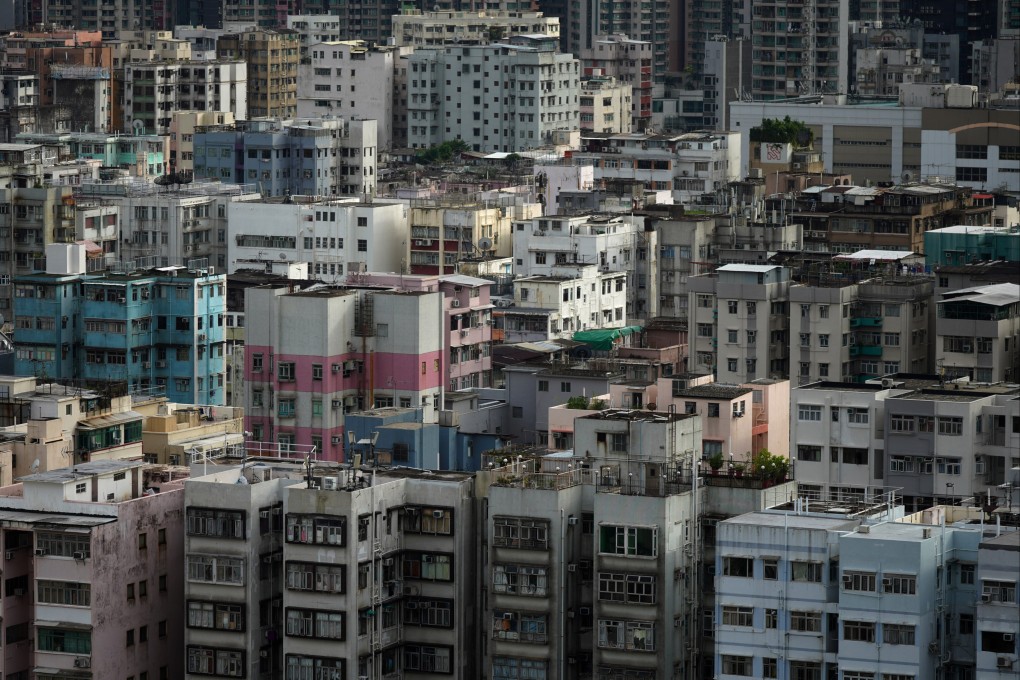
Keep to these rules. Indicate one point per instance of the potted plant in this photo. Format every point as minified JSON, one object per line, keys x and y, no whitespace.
{"x":715,"y":461}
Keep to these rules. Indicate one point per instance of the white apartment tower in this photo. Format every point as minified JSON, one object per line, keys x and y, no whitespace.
{"x":504,"y":97}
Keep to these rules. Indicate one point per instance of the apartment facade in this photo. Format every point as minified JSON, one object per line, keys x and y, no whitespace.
{"x":739,"y":322}
{"x":978,"y":332}
{"x":629,"y":61}
{"x":272,"y":58}
{"x":317,"y":354}
{"x":417,"y":28}
{"x":589,"y":299}
{"x":161,"y":328}
{"x":154,"y":90}
{"x":605,"y":105}
{"x":310,"y":157}
{"x":503,"y":97}
{"x":98,"y":592}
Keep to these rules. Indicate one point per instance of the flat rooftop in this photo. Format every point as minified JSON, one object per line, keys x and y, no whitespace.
{"x":713,"y":391}
{"x":803,"y":521}
{"x":72,"y":473}
{"x":636,"y":415}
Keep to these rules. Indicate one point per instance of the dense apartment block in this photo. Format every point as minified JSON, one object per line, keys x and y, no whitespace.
{"x":418,"y":29}
{"x":629,"y":61}
{"x":312,"y":356}
{"x":158,"y":328}
{"x":801,"y":593}
{"x":605,"y":105}
{"x":93,"y":583}
{"x":509,"y":96}
{"x":588,"y":298}
{"x":310,"y":157}
{"x":739,"y":322}
{"x":154,"y":90}
{"x":396,"y":594}
{"x":353,"y":80}
{"x":845,"y":331}
{"x":977,"y":333}
{"x":272,"y":57}
{"x":447,"y":230}
{"x":928,"y":438}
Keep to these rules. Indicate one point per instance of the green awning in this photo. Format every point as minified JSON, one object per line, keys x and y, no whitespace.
{"x":603,"y":339}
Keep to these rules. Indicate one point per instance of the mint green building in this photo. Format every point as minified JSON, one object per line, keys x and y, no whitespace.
{"x":965,"y":244}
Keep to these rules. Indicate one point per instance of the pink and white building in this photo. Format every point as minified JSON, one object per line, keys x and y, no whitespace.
{"x":314,"y":355}
{"x":467,"y":309}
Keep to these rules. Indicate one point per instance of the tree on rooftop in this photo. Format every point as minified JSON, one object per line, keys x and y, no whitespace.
{"x":785,"y":131}
{"x":441,"y":153}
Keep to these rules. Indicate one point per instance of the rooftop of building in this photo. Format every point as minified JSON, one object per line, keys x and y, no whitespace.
{"x":972,"y":230}
{"x":638,"y":416}
{"x":81,"y":471}
{"x":748,"y":268}
{"x":567,"y":371}
{"x":713,"y":391}
{"x":782,"y":518}
{"x":962,"y":392}
{"x":1009,"y":541}
{"x":666,"y":323}
{"x":991,"y":270}
{"x":994,"y":294}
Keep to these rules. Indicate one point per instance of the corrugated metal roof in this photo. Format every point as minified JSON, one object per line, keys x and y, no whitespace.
{"x":97,"y":422}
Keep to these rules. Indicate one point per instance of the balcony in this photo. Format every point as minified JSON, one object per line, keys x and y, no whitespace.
{"x":866,"y":322}
{"x":865,"y":351}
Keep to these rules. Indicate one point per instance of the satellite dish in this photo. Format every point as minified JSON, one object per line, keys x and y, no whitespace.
{"x":139,"y":127}
{"x":242,"y":481}
{"x":907,"y":176}
{"x":485,"y":243}
{"x":35,"y":466}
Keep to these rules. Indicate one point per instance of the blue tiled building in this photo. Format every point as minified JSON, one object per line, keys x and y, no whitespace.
{"x":154,"y":329}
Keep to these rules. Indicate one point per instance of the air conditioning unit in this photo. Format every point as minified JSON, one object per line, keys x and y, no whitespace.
{"x":336,"y":439}
{"x":329,"y":483}
{"x":847,"y":579}
{"x":83,"y":662}
{"x":335,"y":368}
{"x":146,"y":365}
{"x":455,"y":303}
{"x":201,"y":337}
{"x":572,"y":521}
{"x":1003,"y":662}
{"x":9,"y":554}
{"x":82,"y":555}
{"x":438,"y":514}
{"x":264,"y":514}
{"x":388,"y":562}
{"x":571,"y":567}
{"x":160,"y":364}
{"x":1008,"y":637}
{"x":585,"y":611}
{"x":886,"y":582}
{"x":40,"y":552}
{"x":986,"y":597}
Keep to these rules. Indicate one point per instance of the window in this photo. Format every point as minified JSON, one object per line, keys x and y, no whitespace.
{"x":808,"y":412}
{"x":216,"y":615}
{"x":901,"y":423}
{"x":285,"y":371}
{"x":428,"y":659}
{"x":967,"y":573}
{"x":630,"y":588}
{"x":805,"y":670}
{"x":316,"y":529}
{"x":951,"y":426}
{"x":215,"y":523}
{"x":806,"y":622}
{"x":520,"y":532}
{"x":314,"y":623}
{"x":998,"y":591}
{"x":519,"y":626}
{"x":738,"y":566}
{"x":811,"y":454}
{"x":897,"y":634}
{"x":806,"y":571}
{"x":65,"y":593}
{"x":859,"y":631}
{"x":210,"y":661}
{"x":966,"y":624}
{"x":427,"y":612}
{"x":628,"y":635}
{"x":62,"y":640}
{"x":543,"y":385}
{"x":63,"y":545}
{"x":770,"y":568}
{"x":738,"y":616}
{"x":901,"y":584}
{"x":770,"y":667}
{"x":316,"y":371}
{"x":300,"y":667}
{"x":216,"y":569}
{"x":513,"y":668}
{"x":859,"y":580}
{"x":427,"y":566}
{"x":771,"y":619}
{"x":630,"y":541}
{"x":713,"y":410}
{"x":736,"y":665}
{"x":857,"y":416}
{"x":517,"y":579}
{"x":322,"y":578}
{"x":420,"y":519}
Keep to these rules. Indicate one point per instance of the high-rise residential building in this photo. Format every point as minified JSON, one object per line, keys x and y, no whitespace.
{"x":630,"y":62}
{"x":739,"y":322}
{"x":977,"y":333}
{"x":111,"y":18}
{"x":417,"y":28}
{"x":843,"y":330}
{"x":155,"y":90}
{"x":502,"y":97}
{"x":353,"y":79}
{"x":314,"y":355}
{"x":159,"y":328}
{"x":655,"y":23}
{"x":19,"y":104}
{"x":310,"y":157}
{"x":727,"y":75}
{"x":95,"y":586}
{"x":328,"y":238}
{"x":272,"y":57}
{"x":182,"y":136}
{"x":799,"y":48}
{"x":141,"y":155}
{"x":313,"y":29}
{"x":605,"y":105}
{"x":918,"y":434}
{"x":972,"y":21}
